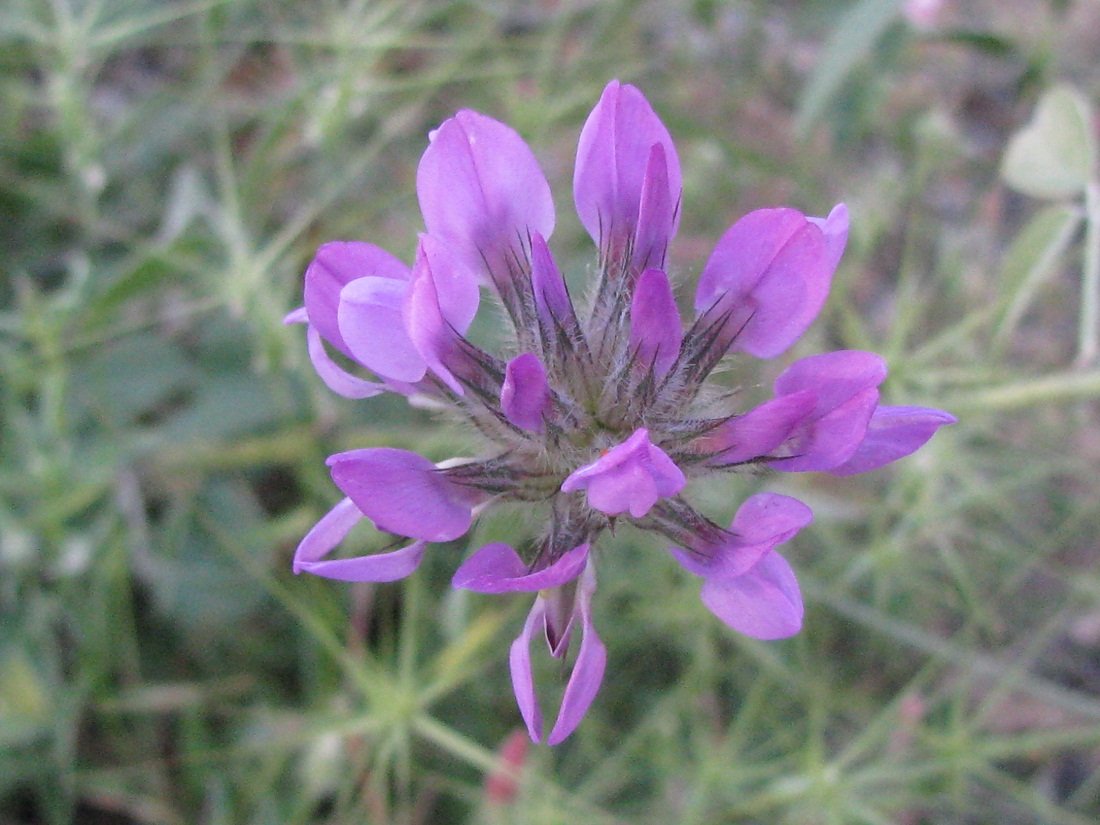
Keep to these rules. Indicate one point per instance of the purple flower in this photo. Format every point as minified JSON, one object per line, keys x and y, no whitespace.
{"x":599,"y":413}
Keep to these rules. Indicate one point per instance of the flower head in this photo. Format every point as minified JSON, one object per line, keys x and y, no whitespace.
{"x":601,"y":412}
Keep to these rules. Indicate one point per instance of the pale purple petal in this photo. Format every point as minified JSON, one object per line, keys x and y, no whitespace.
{"x":834,"y":376}
{"x":613,"y":157}
{"x":523,"y":683}
{"x":631,"y":476}
{"x":455,"y":286}
{"x":759,"y":431}
{"x":481,"y":191}
{"x":423,"y":318}
{"x":771,"y":273}
{"x":330,"y":531}
{"x":337,"y":379}
{"x":525,"y":394}
{"x":372,"y":324}
{"x":297,"y":316}
{"x":655,"y":329}
{"x":496,"y":568}
{"x":893,"y":433}
{"x":588,"y":669}
{"x":403,"y":493}
{"x":828,"y":441}
{"x":764,"y":603}
{"x":334,"y":266}
{"x":835,"y":230}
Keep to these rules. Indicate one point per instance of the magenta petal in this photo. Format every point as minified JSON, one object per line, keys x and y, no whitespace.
{"x":403,"y":493}
{"x":760,"y":430}
{"x":552,"y":302}
{"x":334,"y":266}
{"x":613,"y":157}
{"x":297,"y":316}
{"x":496,"y":568}
{"x":771,"y":272}
{"x":372,"y":324}
{"x":523,"y":683}
{"x":525,"y":392}
{"x":764,"y":603}
{"x":481,"y":190}
{"x":588,"y":670}
{"x":337,"y":379}
{"x":893,"y":433}
{"x":832,"y":439}
{"x":762,"y":523}
{"x":629,"y":477}
{"x":328,"y":532}
{"x":655,"y":329}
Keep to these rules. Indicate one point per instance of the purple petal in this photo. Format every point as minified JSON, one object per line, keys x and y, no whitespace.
{"x":525,"y":393}
{"x":496,"y":568}
{"x":588,"y":670}
{"x":372,"y":324}
{"x":657,"y":214}
{"x":330,"y":531}
{"x":481,"y":191}
{"x":552,"y":302}
{"x":835,"y":376}
{"x":297,"y":316}
{"x":759,"y":431}
{"x":523,"y":683}
{"x":762,"y":523}
{"x":655,"y":329}
{"x":334,"y":266}
{"x":764,"y":603}
{"x":893,"y":433}
{"x":335,"y":377}
{"x":403,"y":493}
{"x":826,"y":442}
{"x":771,"y":272}
{"x":456,"y":288}
{"x":631,"y":476}
{"x":613,"y":159}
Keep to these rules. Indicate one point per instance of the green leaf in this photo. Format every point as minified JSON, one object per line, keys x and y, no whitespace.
{"x":1031,"y":259}
{"x":1054,"y":155}
{"x":849,"y":44}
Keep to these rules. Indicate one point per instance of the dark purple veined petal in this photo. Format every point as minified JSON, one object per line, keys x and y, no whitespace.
{"x":629,"y":477}
{"x":655,"y":329}
{"x":403,"y":493}
{"x":496,"y":568}
{"x":525,"y":393}
{"x":759,"y":431}
{"x":482,"y":192}
{"x":893,"y":433}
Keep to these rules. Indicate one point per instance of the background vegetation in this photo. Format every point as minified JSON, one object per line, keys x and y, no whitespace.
{"x":166,"y":171}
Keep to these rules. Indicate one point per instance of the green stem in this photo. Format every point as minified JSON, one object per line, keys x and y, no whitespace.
{"x":1088,"y":340}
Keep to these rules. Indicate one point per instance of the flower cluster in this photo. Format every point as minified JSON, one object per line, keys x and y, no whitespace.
{"x":602,"y":415}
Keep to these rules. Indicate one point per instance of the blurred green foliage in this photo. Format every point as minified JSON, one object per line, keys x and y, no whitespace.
{"x":166,"y":171}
